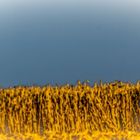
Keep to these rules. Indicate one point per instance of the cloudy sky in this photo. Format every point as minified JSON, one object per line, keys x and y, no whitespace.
{"x":62,"y":41}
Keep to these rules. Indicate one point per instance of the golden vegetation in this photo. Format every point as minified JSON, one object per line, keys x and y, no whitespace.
{"x":71,"y":112}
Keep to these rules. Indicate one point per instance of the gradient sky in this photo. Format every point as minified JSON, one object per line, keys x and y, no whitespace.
{"x":62,"y":41}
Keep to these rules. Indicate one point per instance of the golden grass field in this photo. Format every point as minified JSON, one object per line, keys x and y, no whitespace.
{"x":105,"y":111}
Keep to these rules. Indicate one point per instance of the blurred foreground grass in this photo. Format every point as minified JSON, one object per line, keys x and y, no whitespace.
{"x":96,"y":135}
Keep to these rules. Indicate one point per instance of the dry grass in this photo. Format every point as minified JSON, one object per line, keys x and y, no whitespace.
{"x":109,"y":111}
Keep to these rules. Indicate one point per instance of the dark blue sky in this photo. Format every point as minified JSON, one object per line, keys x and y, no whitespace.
{"x":65,"y":41}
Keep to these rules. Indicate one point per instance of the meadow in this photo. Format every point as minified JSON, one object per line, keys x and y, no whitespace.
{"x":104,"y":111}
